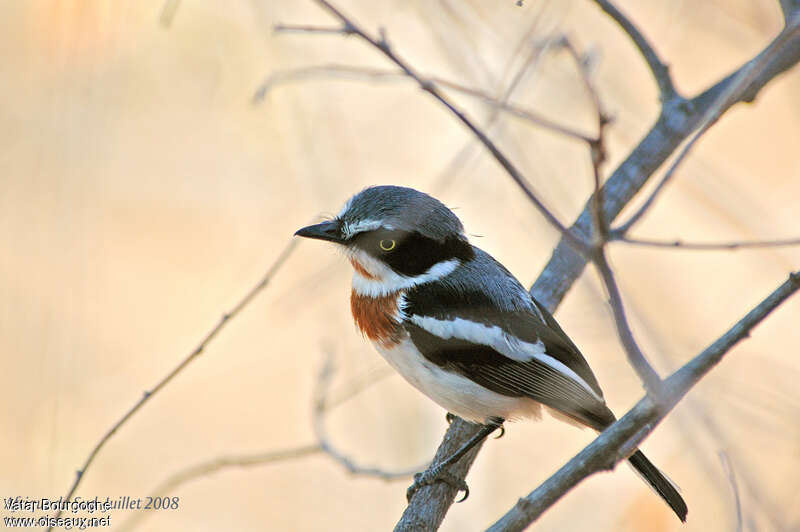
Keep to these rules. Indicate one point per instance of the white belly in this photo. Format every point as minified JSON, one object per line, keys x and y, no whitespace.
{"x":457,"y":394}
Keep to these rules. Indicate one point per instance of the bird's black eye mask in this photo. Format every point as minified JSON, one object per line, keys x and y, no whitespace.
{"x":409,"y":252}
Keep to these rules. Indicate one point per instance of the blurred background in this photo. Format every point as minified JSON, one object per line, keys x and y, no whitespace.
{"x":143,"y":192}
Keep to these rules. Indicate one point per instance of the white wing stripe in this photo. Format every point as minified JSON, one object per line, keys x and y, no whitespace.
{"x":499,"y":340}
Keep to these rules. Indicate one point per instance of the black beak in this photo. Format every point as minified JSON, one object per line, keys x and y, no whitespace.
{"x":324,"y":231}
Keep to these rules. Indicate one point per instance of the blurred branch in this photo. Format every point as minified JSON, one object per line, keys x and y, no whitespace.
{"x":381,"y":44}
{"x":597,"y":145}
{"x":293,"y":28}
{"x":320,"y":407}
{"x":470,"y":146}
{"x":630,"y":430}
{"x":731,"y":476}
{"x":208,"y":468}
{"x":168,"y":11}
{"x":376,"y":74}
{"x":215,"y":465}
{"x":148,"y":394}
{"x":710,"y":246}
{"x":657,"y":67}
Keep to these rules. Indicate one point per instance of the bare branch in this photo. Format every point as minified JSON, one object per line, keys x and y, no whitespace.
{"x":658,"y":68}
{"x":276,"y":266}
{"x":215,"y":465}
{"x":678,"y":119}
{"x":427,"y":509}
{"x":649,"y":377}
{"x":291,"y":28}
{"x":629,"y":431}
{"x":731,"y":476}
{"x":325,"y":444}
{"x":625,"y":227}
{"x":789,"y":8}
{"x":711,"y":246}
{"x":209,"y":467}
{"x":375,"y":74}
{"x":168,"y":11}
{"x":651,"y":380}
{"x":743,"y":78}
{"x":382,"y":44}
{"x":597,"y":148}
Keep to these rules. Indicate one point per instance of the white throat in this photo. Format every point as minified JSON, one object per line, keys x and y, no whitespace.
{"x":382,"y":280}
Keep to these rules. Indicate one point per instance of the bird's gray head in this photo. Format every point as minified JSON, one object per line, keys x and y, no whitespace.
{"x":402,"y":228}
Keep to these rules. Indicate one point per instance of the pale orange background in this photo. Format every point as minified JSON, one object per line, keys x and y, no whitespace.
{"x":142,"y":193}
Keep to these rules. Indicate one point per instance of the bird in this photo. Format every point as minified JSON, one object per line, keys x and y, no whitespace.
{"x":459,"y":327}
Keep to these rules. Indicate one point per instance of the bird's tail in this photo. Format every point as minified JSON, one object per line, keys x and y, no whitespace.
{"x":659,"y":483}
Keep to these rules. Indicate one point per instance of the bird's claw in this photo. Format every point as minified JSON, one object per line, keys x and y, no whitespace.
{"x":502,"y":433}
{"x":434,"y":474}
{"x":450,"y":418}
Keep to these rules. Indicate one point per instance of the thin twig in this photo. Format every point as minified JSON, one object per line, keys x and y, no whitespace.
{"x":382,"y":45}
{"x":376,"y":74}
{"x":215,"y":465}
{"x":622,"y":229}
{"x":320,"y":407}
{"x":148,"y":394}
{"x":597,"y":145}
{"x":731,"y":476}
{"x":650,"y":379}
{"x":209,"y":467}
{"x":658,"y":68}
{"x":652,"y":382}
{"x":711,"y":246}
{"x":168,"y":11}
{"x":629,"y":431}
{"x":452,"y":168}
{"x":293,"y":28}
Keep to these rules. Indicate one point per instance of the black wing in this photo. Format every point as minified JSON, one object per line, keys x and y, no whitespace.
{"x":483,"y":364}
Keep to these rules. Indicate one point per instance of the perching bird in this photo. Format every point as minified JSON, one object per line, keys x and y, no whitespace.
{"x":459,"y":326}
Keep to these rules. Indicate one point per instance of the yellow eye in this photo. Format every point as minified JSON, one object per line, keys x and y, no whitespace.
{"x":387,"y":245}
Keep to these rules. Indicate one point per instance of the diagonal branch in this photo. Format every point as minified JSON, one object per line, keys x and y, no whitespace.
{"x":209,"y":467}
{"x":651,"y":380}
{"x":627,"y":433}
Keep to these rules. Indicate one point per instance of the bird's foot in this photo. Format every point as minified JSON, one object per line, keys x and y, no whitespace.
{"x":437,"y":474}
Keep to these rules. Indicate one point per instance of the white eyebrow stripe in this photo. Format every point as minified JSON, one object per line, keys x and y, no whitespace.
{"x":499,"y":340}
{"x":351,"y":229}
